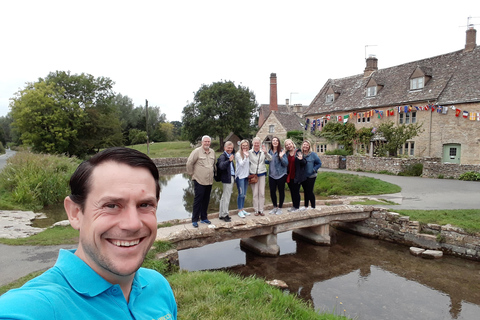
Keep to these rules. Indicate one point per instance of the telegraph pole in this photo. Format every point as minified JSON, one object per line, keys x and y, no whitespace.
{"x":146,"y":126}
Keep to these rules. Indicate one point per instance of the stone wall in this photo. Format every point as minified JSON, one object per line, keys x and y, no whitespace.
{"x":170,"y":162}
{"x":393,"y":227}
{"x":393,"y":165}
{"x":434,"y":169}
{"x":330,"y":162}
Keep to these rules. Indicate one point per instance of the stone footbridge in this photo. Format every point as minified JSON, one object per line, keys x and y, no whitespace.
{"x":259,"y":233}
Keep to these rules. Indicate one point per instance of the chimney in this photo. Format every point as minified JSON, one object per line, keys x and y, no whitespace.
{"x":470,"y":44}
{"x":371,"y":66}
{"x":273,"y":92}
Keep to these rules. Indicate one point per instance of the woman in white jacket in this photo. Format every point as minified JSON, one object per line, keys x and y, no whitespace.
{"x":257,"y":166}
{"x":241,"y":176}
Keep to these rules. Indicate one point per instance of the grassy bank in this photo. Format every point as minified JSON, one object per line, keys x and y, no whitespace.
{"x":467,"y":219}
{"x":31,"y":181}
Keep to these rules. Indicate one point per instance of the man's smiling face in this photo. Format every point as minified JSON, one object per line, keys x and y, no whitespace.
{"x":119,"y":224}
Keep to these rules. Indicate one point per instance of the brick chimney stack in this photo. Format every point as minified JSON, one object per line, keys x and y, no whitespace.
{"x":470,"y":44}
{"x":372,"y":66}
{"x":273,"y":92}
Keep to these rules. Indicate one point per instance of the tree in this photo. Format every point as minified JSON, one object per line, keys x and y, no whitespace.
{"x":64,"y":113}
{"x":217,"y":110}
{"x":341,"y":133}
{"x":5,"y":132}
{"x":396,"y":136}
{"x":165,"y":131}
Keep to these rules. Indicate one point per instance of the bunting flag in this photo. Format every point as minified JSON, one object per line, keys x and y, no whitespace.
{"x":444,"y":110}
{"x":345,"y":119}
{"x":473,"y":116}
{"x":328,"y":117}
{"x":457,"y":112}
{"x":339,"y":118}
{"x":307,"y":123}
{"x":374,"y":129}
{"x":465,"y":114}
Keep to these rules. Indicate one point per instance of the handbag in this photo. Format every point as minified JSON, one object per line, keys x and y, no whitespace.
{"x":253,"y":178}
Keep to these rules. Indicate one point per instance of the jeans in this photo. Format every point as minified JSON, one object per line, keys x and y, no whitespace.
{"x":308,"y":191}
{"x":279,"y":184}
{"x":242,"y":185}
{"x":201,"y":200}
{"x":295,"y":192}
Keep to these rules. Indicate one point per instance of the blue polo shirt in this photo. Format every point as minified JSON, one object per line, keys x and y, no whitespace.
{"x":73,"y":290}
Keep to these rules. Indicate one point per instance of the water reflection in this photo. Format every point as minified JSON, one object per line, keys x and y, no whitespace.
{"x":372,"y":279}
{"x":177,"y":193}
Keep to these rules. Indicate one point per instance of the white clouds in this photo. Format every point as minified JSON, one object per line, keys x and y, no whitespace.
{"x":163,"y":51}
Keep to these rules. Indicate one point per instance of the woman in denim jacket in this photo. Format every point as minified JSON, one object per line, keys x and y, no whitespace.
{"x":277,"y":175}
{"x":312,"y":164}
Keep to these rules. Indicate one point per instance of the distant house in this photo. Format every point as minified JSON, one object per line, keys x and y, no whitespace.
{"x":276,"y":120}
{"x":442,"y":93}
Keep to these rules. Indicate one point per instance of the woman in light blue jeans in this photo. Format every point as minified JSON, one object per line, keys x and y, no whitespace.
{"x":241,"y":176}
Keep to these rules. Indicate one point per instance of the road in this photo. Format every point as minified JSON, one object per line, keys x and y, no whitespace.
{"x":4,"y":157}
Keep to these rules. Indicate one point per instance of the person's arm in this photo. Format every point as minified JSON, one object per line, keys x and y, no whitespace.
{"x":317,"y":164}
{"x":191,"y":162}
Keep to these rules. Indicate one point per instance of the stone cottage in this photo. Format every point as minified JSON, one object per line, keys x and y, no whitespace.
{"x":442,"y":93}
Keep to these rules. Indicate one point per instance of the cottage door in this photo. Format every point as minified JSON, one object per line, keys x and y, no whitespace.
{"x":451,"y":153}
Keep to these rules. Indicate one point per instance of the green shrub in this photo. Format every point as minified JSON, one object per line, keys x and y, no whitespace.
{"x":412,"y":170}
{"x":470,"y":176}
{"x":2,"y":149}
{"x":32,"y":181}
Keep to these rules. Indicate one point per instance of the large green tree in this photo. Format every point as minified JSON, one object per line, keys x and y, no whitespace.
{"x":341,"y":133}
{"x":396,"y":136}
{"x":218,"y":109}
{"x":64,"y":113}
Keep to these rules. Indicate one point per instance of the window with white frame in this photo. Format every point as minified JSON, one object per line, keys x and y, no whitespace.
{"x":408,"y":149}
{"x":271,"y":129}
{"x":417,"y":83}
{"x":363,"y":119}
{"x":329,"y":98}
{"x":372,"y":91}
{"x":408,"y":117}
{"x":321,"y":148}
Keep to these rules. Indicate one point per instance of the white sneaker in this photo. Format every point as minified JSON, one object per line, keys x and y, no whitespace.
{"x":273,"y":211}
{"x":246,"y":213}
{"x":241,"y":214}
{"x":279,"y":211}
{"x":291,"y":209}
{"x":302,"y":209}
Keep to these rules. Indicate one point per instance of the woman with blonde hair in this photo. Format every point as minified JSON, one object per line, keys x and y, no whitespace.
{"x":241,"y":176}
{"x":257,"y":166}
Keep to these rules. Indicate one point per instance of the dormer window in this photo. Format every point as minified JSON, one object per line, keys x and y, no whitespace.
{"x":371,"y":91}
{"x":417,"y":83}
{"x":420,"y":77}
{"x":373,"y":87}
{"x":329,"y":98}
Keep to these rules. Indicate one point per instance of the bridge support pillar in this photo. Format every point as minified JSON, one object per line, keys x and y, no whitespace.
{"x":319,"y":235}
{"x":265,"y":245}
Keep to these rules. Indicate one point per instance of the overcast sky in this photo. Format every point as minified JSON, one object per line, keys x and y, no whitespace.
{"x":164,"y":51}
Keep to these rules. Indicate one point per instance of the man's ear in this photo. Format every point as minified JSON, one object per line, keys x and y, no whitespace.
{"x":74,"y":213}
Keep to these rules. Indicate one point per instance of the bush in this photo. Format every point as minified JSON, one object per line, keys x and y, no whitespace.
{"x":2,"y":149}
{"x":412,"y":170}
{"x":470,"y":176}
{"x":32,"y":181}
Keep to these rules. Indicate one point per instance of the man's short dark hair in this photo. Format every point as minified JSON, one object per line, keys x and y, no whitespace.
{"x":80,"y":182}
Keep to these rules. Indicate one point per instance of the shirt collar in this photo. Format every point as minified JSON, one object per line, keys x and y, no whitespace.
{"x":84,"y":279}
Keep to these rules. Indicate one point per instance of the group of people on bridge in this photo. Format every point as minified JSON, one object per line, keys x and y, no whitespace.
{"x":295,"y":167}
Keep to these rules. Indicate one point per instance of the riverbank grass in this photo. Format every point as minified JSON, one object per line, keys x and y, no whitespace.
{"x":342,"y":184}
{"x":467,"y":219}
{"x":53,"y":236}
{"x":221,"y":295}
